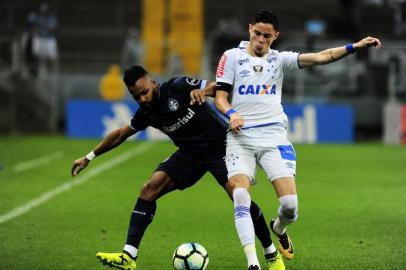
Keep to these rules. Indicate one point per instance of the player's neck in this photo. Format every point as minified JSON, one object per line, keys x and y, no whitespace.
{"x":251,"y":51}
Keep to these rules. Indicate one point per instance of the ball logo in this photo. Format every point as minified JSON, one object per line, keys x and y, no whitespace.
{"x":220,"y":67}
{"x":192,"y":82}
{"x":173,"y":104}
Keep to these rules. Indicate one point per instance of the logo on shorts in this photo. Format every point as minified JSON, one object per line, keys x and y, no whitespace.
{"x":192,"y":82}
{"x":173,"y":104}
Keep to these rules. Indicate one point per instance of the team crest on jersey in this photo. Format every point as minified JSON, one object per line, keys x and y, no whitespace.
{"x":192,"y":82}
{"x":257,"y":68}
{"x":173,"y":104}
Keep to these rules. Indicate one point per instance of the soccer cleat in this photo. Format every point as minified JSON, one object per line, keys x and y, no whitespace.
{"x":285,"y":246}
{"x":274,"y":261}
{"x":253,"y":267}
{"x":119,"y":260}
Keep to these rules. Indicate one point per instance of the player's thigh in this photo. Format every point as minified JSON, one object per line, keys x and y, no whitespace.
{"x":183,"y":168}
{"x":285,"y":186}
{"x":240,"y":160}
{"x":158,"y":185}
{"x":278,"y":162}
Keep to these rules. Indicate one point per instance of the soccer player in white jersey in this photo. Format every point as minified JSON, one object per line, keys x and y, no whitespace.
{"x":250,"y":89}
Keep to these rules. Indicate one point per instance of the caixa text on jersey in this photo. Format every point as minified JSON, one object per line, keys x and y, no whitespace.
{"x":257,"y":89}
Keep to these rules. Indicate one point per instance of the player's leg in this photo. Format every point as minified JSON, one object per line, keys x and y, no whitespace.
{"x":285,"y":188}
{"x":217,"y":168}
{"x":241,"y":165}
{"x":176,"y":172}
{"x":216,"y":165}
{"x":179,"y":171}
{"x":279,"y":164}
{"x":240,"y":184}
{"x":144,"y":211}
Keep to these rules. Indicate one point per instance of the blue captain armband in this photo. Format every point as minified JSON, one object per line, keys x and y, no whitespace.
{"x":230,"y":112}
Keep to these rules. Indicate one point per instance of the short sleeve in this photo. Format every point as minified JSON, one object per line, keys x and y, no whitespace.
{"x":290,"y":60}
{"x":225,"y":68}
{"x":187,"y":84}
{"x":140,"y":120}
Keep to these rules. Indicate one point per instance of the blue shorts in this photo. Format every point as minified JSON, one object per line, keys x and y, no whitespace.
{"x":185,"y":168}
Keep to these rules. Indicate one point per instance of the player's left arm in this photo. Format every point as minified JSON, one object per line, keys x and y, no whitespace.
{"x":335,"y":54}
{"x":199,"y":95}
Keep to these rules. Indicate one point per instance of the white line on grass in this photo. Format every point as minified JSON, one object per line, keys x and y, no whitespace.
{"x":78,"y":180}
{"x":37,"y":162}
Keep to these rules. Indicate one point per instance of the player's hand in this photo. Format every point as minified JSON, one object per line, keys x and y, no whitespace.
{"x":368,"y":42}
{"x":236,"y":122}
{"x":197,"y":96}
{"x":79,"y":165}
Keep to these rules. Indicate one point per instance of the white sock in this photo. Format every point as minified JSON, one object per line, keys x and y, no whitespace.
{"x":244,"y":225}
{"x":242,"y":216}
{"x":269,"y":250}
{"x":251,"y":254}
{"x":278,"y":227}
{"x":131,"y":250}
{"x":287,"y":213}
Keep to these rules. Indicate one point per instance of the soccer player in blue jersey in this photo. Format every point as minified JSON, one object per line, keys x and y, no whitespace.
{"x":249,"y":80}
{"x":177,"y":108}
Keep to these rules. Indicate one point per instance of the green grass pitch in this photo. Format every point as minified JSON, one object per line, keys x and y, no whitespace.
{"x":352,"y":208}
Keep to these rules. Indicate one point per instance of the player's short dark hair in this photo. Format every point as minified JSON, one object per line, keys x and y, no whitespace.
{"x":266,"y":16}
{"x":132,"y":75}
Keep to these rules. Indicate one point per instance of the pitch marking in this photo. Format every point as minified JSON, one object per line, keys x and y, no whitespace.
{"x":78,"y":180}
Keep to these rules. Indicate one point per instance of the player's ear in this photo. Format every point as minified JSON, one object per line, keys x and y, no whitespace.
{"x":250,"y":27}
{"x":276,"y":35}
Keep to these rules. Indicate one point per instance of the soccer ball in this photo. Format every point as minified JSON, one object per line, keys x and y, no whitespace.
{"x":190,"y":256}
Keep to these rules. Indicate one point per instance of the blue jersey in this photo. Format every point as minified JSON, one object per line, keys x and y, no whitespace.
{"x":194,"y":127}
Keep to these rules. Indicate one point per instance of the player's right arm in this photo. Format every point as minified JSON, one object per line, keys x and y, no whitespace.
{"x":112,"y":140}
{"x":225,"y":80}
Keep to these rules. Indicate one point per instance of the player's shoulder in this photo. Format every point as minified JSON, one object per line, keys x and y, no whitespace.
{"x":180,"y":85}
{"x":240,"y":49}
{"x":285,"y":53}
{"x":185,"y":81}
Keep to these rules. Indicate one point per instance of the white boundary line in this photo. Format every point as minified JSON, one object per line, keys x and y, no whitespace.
{"x":78,"y":180}
{"x":37,"y":162}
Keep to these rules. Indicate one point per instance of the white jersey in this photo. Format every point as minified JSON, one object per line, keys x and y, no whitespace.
{"x":257,"y":83}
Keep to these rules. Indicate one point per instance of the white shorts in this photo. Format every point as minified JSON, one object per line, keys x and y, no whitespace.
{"x":267,"y":146}
{"x":45,"y":48}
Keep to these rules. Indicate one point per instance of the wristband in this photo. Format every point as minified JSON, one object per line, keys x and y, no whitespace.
{"x":230,"y":112}
{"x":349,"y":48}
{"x":90,"y":156}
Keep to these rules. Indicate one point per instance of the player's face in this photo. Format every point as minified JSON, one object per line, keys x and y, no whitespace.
{"x":261,"y":37}
{"x":143,"y":91}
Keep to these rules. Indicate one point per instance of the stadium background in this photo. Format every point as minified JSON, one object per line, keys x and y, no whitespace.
{"x":57,"y":113}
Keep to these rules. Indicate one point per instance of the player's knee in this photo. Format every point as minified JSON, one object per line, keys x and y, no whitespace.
{"x":289,"y":207}
{"x":241,"y":196}
{"x":148,"y":192}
